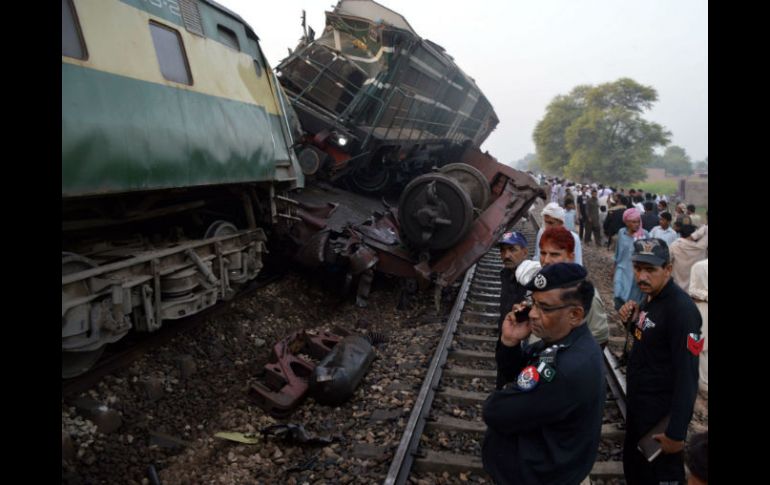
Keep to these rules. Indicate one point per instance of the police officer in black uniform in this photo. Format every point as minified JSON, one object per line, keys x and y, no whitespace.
{"x":662,"y":373}
{"x":544,"y":426}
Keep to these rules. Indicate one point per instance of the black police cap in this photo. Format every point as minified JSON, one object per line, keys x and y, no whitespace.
{"x":652,"y":251}
{"x":558,"y":275}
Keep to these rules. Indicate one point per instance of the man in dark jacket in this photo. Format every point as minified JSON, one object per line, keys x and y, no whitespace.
{"x":614,"y":220}
{"x":649,"y":218}
{"x":662,"y":374}
{"x":513,"y":252}
{"x":582,"y":215}
{"x":592,"y":213}
{"x":544,"y":426}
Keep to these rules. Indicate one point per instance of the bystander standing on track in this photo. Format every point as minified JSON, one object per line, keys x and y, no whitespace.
{"x":685,"y":252}
{"x":649,"y":217}
{"x":693,"y":216}
{"x":593,"y":228}
{"x":517,"y":272}
{"x":699,"y":291}
{"x":664,"y":230}
{"x":582,"y":216}
{"x":662,"y":374}
{"x":614,"y":220}
{"x":553,"y":215}
{"x":557,"y":246}
{"x":569,"y":214}
{"x":545,"y":426}
{"x":625,"y":287}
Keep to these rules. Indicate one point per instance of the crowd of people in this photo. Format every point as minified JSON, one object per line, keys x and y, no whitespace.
{"x":544,"y":419}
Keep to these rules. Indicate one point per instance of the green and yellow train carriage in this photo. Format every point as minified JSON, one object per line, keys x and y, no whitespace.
{"x":176,"y":161}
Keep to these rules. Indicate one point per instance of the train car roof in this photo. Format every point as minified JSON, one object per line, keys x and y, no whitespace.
{"x":232,"y":14}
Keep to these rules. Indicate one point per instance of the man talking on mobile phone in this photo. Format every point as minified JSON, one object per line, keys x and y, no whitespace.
{"x":662,"y":374}
{"x":544,"y":425}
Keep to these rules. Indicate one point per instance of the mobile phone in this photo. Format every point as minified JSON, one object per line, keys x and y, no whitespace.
{"x":523,"y":314}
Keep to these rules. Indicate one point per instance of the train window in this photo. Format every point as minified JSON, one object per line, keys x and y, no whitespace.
{"x":72,"y":44}
{"x":170,"y":52}
{"x":228,"y":37}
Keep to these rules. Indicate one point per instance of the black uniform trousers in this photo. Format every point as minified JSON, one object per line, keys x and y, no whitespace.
{"x":665,"y":469}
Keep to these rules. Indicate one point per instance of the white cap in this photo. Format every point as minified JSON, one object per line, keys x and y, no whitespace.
{"x":526,"y":270}
{"x":554,"y":210}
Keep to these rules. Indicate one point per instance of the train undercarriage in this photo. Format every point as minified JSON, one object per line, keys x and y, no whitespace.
{"x":135,"y":262}
{"x":171,"y":261}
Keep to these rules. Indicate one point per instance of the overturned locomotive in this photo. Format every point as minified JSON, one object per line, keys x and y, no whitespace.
{"x":387,"y":112}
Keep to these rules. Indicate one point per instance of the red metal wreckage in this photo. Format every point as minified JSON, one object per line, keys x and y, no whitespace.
{"x":367,"y":235}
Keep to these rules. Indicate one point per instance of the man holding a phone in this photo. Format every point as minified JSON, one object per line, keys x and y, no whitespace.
{"x":517,"y":272}
{"x":545,"y":424}
{"x":662,"y":374}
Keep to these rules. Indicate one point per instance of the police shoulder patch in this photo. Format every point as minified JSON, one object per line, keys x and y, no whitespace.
{"x":695,"y":343}
{"x":528,"y":378}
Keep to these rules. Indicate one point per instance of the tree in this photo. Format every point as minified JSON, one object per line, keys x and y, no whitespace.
{"x":598,"y":134}
{"x":676,"y":161}
{"x":528,"y":162}
{"x":703,"y":165}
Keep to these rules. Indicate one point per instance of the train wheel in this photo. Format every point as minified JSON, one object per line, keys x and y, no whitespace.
{"x":220,"y":228}
{"x":370,"y":177}
{"x":74,"y":363}
{"x":472,"y":180}
{"x":236,"y":271}
{"x":434,"y":211}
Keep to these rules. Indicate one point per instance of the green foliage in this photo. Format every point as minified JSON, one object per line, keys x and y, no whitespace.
{"x":597,"y":133}
{"x":676,"y":161}
{"x":665,"y":187}
{"x":702,"y":166}
{"x":534,"y":165}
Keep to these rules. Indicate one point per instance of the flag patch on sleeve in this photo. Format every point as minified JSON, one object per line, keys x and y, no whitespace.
{"x":695,"y":343}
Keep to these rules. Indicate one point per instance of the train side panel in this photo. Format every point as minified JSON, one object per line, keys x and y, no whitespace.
{"x":127,"y":128}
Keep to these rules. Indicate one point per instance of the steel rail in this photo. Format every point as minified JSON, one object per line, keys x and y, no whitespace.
{"x":404,"y":456}
{"x":616,"y":380}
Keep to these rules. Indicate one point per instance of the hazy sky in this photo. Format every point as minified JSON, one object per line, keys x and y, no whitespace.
{"x":524,"y":53}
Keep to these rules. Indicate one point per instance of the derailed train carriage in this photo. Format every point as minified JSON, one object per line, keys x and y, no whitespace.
{"x":176,"y":158}
{"x":178,"y":164}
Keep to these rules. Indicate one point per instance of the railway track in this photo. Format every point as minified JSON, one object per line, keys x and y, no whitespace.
{"x":444,"y":432}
